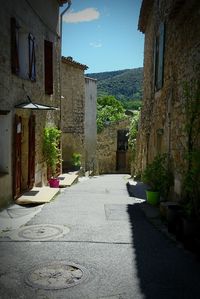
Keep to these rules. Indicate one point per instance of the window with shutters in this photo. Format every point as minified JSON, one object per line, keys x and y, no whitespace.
{"x":48,"y":67}
{"x":23,"y":60}
{"x":159,"y":57}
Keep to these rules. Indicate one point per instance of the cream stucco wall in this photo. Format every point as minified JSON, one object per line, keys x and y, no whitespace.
{"x":90,"y":124}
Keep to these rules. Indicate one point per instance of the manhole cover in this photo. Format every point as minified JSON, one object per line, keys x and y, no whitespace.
{"x":58,"y":275}
{"x":40,"y":232}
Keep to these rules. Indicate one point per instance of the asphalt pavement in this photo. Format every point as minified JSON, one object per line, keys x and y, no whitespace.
{"x":93,"y":241}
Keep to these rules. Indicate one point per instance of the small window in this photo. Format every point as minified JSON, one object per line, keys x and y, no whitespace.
{"x":159,"y":57}
{"x":48,"y":67}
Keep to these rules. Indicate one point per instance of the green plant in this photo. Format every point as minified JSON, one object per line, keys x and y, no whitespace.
{"x":51,"y":150}
{"x":133,"y":132}
{"x":76,"y":159}
{"x":191,"y":178}
{"x":109,"y":110}
{"x":157,"y":175}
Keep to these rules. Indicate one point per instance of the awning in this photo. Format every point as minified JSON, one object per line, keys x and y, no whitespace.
{"x":34,"y":106}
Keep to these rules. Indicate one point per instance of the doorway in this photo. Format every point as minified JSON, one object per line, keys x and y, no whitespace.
{"x":122,"y":147}
{"x":24,"y":154}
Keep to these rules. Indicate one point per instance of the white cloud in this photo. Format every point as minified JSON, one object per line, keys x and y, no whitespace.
{"x":96,"y":44}
{"x":86,"y":15}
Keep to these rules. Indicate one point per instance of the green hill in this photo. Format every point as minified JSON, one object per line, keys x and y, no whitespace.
{"x":125,"y":85}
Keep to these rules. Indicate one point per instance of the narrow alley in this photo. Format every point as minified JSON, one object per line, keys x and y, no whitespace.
{"x":93,"y":241}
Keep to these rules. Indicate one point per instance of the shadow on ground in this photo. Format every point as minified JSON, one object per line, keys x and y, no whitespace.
{"x":163,"y":269}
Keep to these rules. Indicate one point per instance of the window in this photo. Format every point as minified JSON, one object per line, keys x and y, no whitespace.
{"x":48,"y":66}
{"x":159,"y":57}
{"x":23,"y":62}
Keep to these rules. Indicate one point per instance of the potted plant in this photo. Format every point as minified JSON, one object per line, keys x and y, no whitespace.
{"x":158,"y":178}
{"x":76,"y":161}
{"x":52,"y":153}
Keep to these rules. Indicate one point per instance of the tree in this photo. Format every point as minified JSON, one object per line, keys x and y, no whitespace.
{"x":109,"y":110}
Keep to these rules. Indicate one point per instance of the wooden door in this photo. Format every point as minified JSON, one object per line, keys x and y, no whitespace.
{"x":31,"y":151}
{"x":122,"y":147}
{"x":17,"y":157}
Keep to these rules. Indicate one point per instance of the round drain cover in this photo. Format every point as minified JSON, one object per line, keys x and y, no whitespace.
{"x":57,"y":275}
{"x":40,"y":232}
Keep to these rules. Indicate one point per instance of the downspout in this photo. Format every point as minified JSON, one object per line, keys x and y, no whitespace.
{"x":60,"y":79}
{"x":61,"y":20}
{"x":60,"y":62}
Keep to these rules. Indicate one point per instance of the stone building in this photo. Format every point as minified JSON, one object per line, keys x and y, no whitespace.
{"x":171,"y":57}
{"x":113,"y":155}
{"x":29,"y":90}
{"x":78,"y":114}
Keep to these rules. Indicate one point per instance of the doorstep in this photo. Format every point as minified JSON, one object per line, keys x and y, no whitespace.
{"x":67,"y":179}
{"x":37,"y":195}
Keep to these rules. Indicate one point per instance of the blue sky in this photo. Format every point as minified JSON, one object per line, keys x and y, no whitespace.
{"x":103,"y":34}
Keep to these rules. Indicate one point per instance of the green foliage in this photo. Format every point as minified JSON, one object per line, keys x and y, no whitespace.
{"x":133,"y":133}
{"x":157,"y":175}
{"x":76,"y":159}
{"x":109,"y":110}
{"x":191,"y":181}
{"x":132,"y":104}
{"x":192,"y":111}
{"x":51,"y":150}
{"x":123,"y":84}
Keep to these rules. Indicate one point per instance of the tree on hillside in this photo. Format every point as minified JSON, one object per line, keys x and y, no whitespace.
{"x":109,"y":110}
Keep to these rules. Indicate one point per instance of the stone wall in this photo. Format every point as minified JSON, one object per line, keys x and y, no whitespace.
{"x":72,"y":110}
{"x":107,"y":147}
{"x":41,"y":20}
{"x":162,"y":124}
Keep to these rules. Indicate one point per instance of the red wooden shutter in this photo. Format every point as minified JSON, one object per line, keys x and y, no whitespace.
{"x":17,"y":157}
{"x":31,"y":159}
{"x":48,"y":66}
{"x":14,"y":46}
{"x":32,"y":62}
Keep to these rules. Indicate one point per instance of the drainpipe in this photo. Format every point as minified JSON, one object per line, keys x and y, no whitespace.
{"x":61,"y":20}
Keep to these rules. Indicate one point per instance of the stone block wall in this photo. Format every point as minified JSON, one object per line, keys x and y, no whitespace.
{"x":40,"y":18}
{"x":72,"y":110}
{"x":107,"y":147}
{"x":162,"y":123}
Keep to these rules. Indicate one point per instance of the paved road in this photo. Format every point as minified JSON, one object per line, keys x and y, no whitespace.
{"x":94,"y":238}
